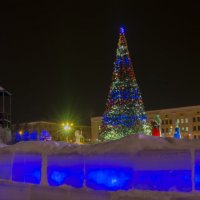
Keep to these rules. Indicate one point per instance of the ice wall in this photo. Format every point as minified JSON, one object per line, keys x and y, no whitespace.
{"x":111,"y":166}
{"x":5,"y":165}
{"x":109,"y":172}
{"x":65,"y":169}
{"x":26,"y":168}
{"x":163,"y":170}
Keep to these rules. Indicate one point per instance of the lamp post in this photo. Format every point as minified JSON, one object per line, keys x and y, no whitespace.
{"x":67,"y":127}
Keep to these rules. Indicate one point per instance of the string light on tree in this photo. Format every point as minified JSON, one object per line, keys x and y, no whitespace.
{"x":124,"y":112}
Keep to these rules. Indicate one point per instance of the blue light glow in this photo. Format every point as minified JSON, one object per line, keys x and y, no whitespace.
{"x":110,"y":178}
{"x":27,"y":168}
{"x":163,"y":180}
{"x":17,"y":137}
{"x":197,"y":170}
{"x":109,"y":173}
{"x":5,"y":166}
{"x":65,"y":170}
{"x":177,"y":134}
{"x":34,"y":136}
{"x":45,"y":135}
{"x":122,"y":31}
{"x":167,"y":170}
{"x":25,"y":136}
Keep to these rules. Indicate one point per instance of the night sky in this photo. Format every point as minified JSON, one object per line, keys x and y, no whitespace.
{"x":57,"y":58}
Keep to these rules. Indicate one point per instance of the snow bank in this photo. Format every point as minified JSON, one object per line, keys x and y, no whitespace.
{"x":135,"y":162}
{"x":18,"y":191}
{"x":129,"y":144}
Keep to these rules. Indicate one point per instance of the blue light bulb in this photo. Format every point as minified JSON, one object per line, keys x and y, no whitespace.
{"x":122,"y":30}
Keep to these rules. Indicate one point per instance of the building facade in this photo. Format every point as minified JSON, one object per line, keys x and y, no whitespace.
{"x":188,"y":119}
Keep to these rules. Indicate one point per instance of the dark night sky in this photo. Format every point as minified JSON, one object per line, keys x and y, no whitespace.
{"x":57,"y":58}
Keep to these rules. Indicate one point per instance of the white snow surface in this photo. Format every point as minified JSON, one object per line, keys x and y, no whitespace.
{"x":130,"y":144}
{"x":19,"y":191}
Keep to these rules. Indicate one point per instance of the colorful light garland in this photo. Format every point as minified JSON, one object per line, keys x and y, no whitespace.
{"x":124,"y":112}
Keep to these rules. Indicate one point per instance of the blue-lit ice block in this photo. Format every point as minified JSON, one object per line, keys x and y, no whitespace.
{"x":5,"y":165}
{"x":163,"y":170}
{"x":27,"y":168}
{"x":65,"y":169}
{"x":197,"y":170}
{"x":109,"y":172}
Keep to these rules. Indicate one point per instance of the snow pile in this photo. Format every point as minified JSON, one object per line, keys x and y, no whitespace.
{"x":136,"y":162}
{"x":129,"y":145}
{"x":30,"y":192}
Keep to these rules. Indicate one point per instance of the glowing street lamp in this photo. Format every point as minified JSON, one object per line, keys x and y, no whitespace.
{"x":20,"y":132}
{"x":67,"y":126}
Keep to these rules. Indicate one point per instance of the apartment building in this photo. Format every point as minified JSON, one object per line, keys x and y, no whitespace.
{"x":188,"y":119}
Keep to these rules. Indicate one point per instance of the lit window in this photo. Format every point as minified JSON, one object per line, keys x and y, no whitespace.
{"x":99,"y":128}
{"x":186,"y":128}
{"x":186,"y":120}
{"x":183,"y":128}
{"x":182,"y":121}
{"x":178,"y":121}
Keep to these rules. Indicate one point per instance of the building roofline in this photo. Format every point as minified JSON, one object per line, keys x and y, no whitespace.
{"x":35,"y":122}
{"x":160,"y":110}
{"x":175,"y":109}
{"x":94,"y":118}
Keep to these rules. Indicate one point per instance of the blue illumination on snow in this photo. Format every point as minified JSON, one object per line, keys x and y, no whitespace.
{"x":197,"y":170}
{"x":157,"y":170}
{"x":27,"y":168}
{"x":165,"y":180}
{"x":5,"y":166}
{"x":109,"y":172}
{"x":115,"y":178}
{"x":64,"y":169}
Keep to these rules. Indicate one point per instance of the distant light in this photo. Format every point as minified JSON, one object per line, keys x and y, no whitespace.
{"x":20,"y":132}
{"x":67,"y":127}
{"x":122,"y":30}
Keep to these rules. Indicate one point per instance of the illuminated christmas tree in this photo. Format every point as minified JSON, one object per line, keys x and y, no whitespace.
{"x":124,"y":114}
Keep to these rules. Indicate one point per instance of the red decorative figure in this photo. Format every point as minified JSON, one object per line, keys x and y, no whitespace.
{"x":156,"y":126}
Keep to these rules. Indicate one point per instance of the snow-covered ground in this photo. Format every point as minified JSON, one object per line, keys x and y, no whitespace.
{"x":135,"y":167}
{"x":18,"y":191}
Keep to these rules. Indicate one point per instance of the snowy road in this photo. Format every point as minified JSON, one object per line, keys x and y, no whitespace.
{"x":16,"y":191}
